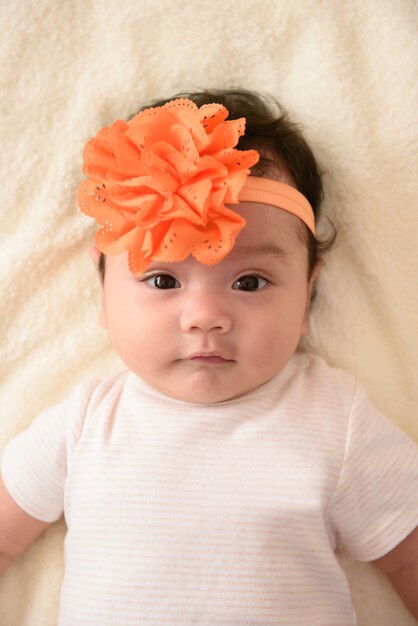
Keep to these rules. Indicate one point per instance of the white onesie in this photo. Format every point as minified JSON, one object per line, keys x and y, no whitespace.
{"x":226,"y":514}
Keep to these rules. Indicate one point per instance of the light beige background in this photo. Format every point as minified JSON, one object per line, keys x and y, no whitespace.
{"x":346,"y":69}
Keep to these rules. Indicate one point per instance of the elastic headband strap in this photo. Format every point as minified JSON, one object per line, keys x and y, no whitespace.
{"x":280,"y":195}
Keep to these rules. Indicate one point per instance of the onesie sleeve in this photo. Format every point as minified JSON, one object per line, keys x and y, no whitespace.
{"x":375,"y":504}
{"x":34,"y":464}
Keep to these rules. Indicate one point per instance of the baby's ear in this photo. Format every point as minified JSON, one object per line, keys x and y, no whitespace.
{"x":311,"y":294}
{"x":314,"y":277}
{"x":103,"y":318}
{"x":94,"y":253}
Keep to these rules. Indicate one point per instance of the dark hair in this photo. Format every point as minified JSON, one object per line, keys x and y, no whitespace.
{"x":281,"y":145}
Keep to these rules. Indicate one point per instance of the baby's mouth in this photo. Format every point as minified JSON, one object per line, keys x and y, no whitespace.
{"x":210,"y":358}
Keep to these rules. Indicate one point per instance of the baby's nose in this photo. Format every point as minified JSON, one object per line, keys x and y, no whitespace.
{"x":205,"y":313}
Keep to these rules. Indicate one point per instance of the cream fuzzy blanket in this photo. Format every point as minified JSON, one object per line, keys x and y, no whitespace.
{"x":345,"y":69}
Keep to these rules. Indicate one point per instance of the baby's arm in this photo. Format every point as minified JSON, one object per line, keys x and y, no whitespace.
{"x":18,"y":530}
{"x":401,"y":567}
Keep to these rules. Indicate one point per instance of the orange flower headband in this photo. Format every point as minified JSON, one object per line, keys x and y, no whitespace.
{"x":158,"y":185}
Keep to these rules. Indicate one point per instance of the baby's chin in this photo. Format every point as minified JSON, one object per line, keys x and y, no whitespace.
{"x":206,"y":379}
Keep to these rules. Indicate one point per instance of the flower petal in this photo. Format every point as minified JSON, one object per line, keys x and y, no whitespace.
{"x":158,"y":184}
{"x":211,"y":115}
{"x":225,"y":135}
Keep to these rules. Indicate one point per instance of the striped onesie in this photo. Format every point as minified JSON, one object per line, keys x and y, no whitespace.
{"x":227,"y":514}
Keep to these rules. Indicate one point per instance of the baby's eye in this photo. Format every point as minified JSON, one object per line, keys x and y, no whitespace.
{"x":250,"y":283}
{"x":163,"y":281}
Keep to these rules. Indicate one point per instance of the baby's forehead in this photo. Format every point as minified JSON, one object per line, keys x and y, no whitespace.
{"x":267,"y":225}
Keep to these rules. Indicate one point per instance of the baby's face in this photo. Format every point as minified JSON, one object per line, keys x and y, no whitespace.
{"x":207,"y":334}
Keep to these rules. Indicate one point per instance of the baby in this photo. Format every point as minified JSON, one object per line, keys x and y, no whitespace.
{"x":216,"y":479}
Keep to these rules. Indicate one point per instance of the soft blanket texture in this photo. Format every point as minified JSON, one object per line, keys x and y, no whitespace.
{"x":345,"y":69}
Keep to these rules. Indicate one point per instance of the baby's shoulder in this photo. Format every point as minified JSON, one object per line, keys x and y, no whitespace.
{"x":314,"y":369}
{"x":322,"y":385}
{"x":106,"y":390}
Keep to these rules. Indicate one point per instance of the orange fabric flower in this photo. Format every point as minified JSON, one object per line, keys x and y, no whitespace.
{"x":158,"y":184}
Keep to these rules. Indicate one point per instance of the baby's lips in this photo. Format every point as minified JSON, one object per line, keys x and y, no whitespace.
{"x":203,"y":354}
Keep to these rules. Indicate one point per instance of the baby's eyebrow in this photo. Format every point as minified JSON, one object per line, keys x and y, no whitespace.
{"x":264,"y":248}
